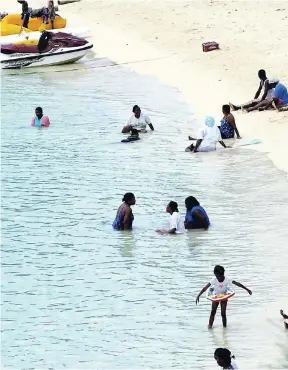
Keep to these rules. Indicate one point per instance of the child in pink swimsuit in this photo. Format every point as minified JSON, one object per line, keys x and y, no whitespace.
{"x":40,"y":120}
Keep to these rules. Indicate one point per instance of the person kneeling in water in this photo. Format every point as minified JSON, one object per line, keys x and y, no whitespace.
{"x":207,"y":138}
{"x":138,"y":120}
{"x":224,"y":358}
{"x":40,"y":120}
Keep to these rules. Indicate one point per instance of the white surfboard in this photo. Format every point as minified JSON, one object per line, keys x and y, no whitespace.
{"x":248,"y":142}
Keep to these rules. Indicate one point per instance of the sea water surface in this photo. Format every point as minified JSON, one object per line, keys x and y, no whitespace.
{"x":76,"y":294}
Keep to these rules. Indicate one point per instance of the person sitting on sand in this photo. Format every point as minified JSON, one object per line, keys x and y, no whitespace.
{"x":40,"y":120}
{"x":268,"y":85}
{"x":280,"y":98}
{"x":176,"y":225}
{"x":228,"y":126}
{"x":285,"y":317}
{"x":224,"y":358}
{"x":138,"y":120}
{"x":207,"y":138}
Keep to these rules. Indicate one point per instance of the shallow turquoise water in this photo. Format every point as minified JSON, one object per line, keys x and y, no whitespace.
{"x":75,"y":294}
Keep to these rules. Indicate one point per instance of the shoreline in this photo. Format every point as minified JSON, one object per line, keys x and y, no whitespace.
{"x":149,"y":50}
{"x":164,"y":40}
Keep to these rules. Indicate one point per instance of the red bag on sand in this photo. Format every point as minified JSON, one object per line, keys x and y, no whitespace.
{"x":209,"y":46}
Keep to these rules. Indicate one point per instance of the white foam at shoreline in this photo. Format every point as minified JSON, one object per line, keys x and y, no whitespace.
{"x":206,"y":80}
{"x":190,"y":72}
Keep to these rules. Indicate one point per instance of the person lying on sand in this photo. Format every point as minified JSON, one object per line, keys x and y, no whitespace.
{"x":280,"y":98}
{"x":138,"y":121}
{"x":207,"y":138}
{"x":268,"y":85}
{"x":285,"y":317}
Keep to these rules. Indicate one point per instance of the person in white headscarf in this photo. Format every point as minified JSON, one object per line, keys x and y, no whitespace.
{"x":207,"y":138}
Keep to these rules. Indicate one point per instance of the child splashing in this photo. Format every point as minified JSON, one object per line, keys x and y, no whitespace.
{"x":221,"y":284}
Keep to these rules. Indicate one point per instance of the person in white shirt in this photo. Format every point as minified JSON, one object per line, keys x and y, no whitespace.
{"x":176,"y":223}
{"x":220,"y":283}
{"x":207,"y":138}
{"x":138,"y":121}
{"x":224,"y":359}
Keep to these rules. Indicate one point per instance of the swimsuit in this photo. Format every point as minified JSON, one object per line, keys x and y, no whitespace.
{"x":227,"y":131}
{"x":118,"y":223}
{"x":196,"y":224}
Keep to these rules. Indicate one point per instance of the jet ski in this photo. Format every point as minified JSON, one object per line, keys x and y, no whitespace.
{"x":51,"y":49}
{"x":30,"y":35}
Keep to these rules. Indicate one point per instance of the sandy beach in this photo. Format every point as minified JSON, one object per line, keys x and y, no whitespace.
{"x":164,"y":39}
{"x":167,"y":37}
{"x":76,"y":293}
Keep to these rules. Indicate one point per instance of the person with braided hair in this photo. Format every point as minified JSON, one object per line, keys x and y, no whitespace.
{"x":224,"y":359}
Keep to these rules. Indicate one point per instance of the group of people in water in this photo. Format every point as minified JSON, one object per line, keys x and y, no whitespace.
{"x":275,"y":96}
{"x":195,"y":218}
